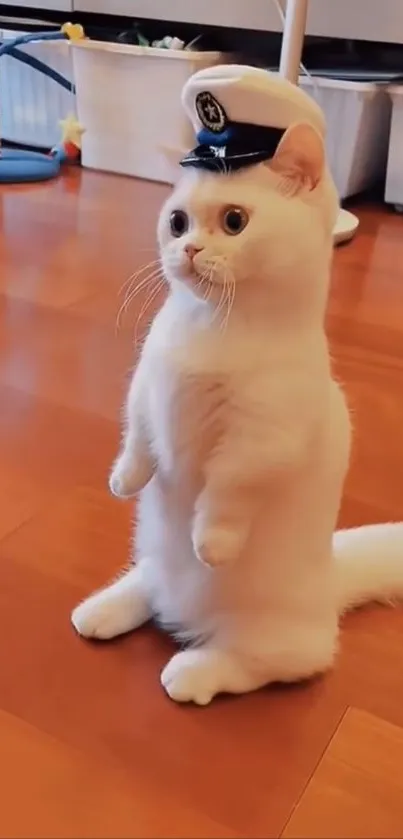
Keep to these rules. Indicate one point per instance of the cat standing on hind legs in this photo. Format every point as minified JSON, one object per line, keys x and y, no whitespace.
{"x":237,"y":438}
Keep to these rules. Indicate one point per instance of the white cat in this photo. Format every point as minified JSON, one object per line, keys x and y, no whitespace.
{"x":238,"y":439}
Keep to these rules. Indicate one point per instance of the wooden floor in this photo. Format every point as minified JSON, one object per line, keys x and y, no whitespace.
{"x":89,"y":744}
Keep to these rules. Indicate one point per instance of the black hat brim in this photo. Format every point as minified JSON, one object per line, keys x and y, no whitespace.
{"x":241,"y":145}
{"x":222,"y":160}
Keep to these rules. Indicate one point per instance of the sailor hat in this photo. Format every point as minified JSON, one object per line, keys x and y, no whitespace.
{"x":240,"y":114}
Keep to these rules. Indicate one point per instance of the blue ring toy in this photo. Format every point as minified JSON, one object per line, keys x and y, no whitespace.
{"x":17,"y":165}
{"x":20,"y":166}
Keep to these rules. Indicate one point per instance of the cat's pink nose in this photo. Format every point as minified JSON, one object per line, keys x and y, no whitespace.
{"x":191,"y":251}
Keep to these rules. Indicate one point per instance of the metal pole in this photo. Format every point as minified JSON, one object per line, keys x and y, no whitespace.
{"x":290,"y":61}
{"x":293,"y":39}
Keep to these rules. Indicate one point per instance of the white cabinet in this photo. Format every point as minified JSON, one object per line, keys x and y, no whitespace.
{"x":49,"y":5}
{"x":372,"y":20}
{"x":253,"y":14}
{"x":368,"y":20}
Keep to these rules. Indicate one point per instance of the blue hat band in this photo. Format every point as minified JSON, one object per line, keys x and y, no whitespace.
{"x":242,"y":133}
{"x":239,"y":145}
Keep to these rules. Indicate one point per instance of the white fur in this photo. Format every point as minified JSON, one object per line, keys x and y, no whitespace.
{"x":238,"y":442}
{"x":369,"y":564}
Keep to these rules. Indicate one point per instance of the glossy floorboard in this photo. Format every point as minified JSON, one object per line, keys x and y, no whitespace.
{"x":90,"y":745}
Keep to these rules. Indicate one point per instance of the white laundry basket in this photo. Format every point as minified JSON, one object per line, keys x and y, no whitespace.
{"x":31,"y":104}
{"x":358,"y":124}
{"x":128,"y":100}
{"x":394,"y":172}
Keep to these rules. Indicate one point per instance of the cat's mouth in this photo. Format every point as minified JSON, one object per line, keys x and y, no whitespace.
{"x":203,"y":281}
{"x":203,"y":276}
{"x":206,"y":274}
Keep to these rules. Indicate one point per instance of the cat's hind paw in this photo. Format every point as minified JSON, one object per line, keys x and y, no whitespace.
{"x":197,"y":675}
{"x":98,"y":618}
{"x":112,"y":611}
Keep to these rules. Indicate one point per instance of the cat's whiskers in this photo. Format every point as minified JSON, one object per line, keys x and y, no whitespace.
{"x":204,"y":283}
{"x":150,"y":281}
{"x":155,"y":275}
{"x":128,"y":284}
{"x":130,"y":287}
{"x":220,"y":263}
{"x":230,"y":299}
{"x":146,"y":305}
{"x":226,"y":302}
{"x":221,"y":301}
{"x":209,"y":287}
{"x":201,"y":284}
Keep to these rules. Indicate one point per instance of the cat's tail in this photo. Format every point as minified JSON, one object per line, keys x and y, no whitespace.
{"x":369,"y":565}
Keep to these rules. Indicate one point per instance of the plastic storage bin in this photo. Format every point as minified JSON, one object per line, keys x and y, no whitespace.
{"x":358,"y":124}
{"x":394,"y":172}
{"x":128,"y":100}
{"x":31,"y":105}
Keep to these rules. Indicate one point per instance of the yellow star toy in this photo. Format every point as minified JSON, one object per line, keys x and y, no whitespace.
{"x":74,"y":31}
{"x":72,"y":130}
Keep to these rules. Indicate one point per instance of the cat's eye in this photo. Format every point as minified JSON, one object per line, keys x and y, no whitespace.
{"x":179,"y":223}
{"x":234,"y":220}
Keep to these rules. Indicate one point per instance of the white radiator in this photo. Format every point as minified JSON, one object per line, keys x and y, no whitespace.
{"x":31,"y":104}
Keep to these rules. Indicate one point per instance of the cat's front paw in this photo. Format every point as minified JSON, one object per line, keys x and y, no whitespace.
{"x":126,"y":480}
{"x":121,"y":482}
{"x":216,"y":545}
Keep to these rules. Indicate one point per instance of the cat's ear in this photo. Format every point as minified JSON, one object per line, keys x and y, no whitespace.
{"x":173,"y":157}
{"x":300,"y":156}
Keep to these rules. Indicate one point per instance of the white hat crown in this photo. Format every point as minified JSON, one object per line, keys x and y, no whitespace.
{"x":250,"y":95}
